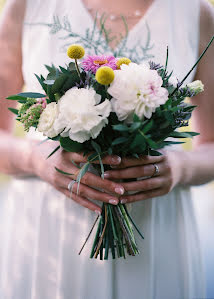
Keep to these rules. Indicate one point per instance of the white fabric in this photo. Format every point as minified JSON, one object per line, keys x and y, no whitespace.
{"x":42,"y":231}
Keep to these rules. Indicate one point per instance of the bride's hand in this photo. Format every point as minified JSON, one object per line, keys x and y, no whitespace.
{"x":163,"y":174}
{"x":45,"y":169}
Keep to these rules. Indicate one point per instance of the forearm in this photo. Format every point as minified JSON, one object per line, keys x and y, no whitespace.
{"x":15,"y":155}
{"x":197,"y":166}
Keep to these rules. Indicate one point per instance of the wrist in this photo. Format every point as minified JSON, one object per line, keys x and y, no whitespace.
{"x":177,"y":162}
{"x":184,"y":170}
{"x":22,"y":157}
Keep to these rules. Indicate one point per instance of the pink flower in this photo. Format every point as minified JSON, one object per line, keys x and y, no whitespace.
{"x":92,"y":63}
{"x":42,"y":101}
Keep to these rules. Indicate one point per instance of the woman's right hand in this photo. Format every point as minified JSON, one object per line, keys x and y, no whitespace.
{"x":45,"y":169}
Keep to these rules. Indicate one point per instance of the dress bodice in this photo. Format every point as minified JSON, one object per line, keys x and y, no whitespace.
{"x":50,"y":27}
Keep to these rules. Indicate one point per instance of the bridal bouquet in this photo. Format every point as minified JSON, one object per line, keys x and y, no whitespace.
{"x":107,"y":105}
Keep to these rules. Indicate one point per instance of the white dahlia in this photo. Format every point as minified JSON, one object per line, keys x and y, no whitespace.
{"x":47,"y":120}
{"x":81,"y":116}
{"x":136,"y":89}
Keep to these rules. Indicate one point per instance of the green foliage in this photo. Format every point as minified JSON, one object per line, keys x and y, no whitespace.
{"x":30,"y":118}
{"x":70,"y":146}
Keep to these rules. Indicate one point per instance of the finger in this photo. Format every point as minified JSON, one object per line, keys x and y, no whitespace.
{"x":145,"y":185}
{"x":81,"y":201}
{"x":97,"y":182}
{"x":86,"y":192}
{"x":134,"y":172}
{"x":143,"y":160}
{"x":92,"y":180}
{"x":143,"y":195}
{"x":80,"y":158}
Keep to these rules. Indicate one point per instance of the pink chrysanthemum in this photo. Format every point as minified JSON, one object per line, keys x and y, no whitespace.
{"x":92,"y":63}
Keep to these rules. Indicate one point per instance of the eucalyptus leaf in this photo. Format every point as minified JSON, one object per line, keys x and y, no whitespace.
{"x":69,"y":145}
{"x":135,"y":126}
{"x":148,"y":126}
{"x":41,"y":81}
{"x":183,"y":134}
{"x":63,"y":172}
{"x":120,"y":128}
{"x":13,"y":110}
{"x":119,"y":140}
{"x":53,"y":152}
{"x":16,"y":98}
{"x":59,"y":82}
{"x":33,"y":95}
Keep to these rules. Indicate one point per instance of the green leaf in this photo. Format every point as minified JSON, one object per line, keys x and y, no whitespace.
{"x":135,"y":126}
{"x":119,"y":140}
{"x":93,"y":157}
{"x":72,"y":66}
{"x":154,"y":153}
{"x":82,"y":172}
{"x":41,"y":81}
{"x":110,"y":151}
{"x":120,"y":128}
{"x":152,"y":144}
{"x":148,"y":126}
{"x":69,"y":145}
{"x":16,"y":98}
{"x":63,"y":172}
{"x":139,"y":141}
{"x":13,"y":110}
{"x":168,"y":115}
{"x":71,"y":81}
{"x":96,"y":147}
{"x":59,"y":82}
{"x":33,"y":95}
{"x":53,"y":152}
{"x":136,"y":118}
{"x":50,"y":68}
{"x":75,"y":164}
{"x":98,"y":150}
{"x":183,"y":134}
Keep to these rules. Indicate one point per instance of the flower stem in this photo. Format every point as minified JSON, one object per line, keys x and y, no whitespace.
{"x":103,"y":232}
{"x":187,"y":75}
{"x":77,"y":68}
{"x":89,"y":235}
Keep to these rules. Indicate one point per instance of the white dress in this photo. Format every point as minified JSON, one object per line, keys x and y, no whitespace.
{"x":41,"y":231}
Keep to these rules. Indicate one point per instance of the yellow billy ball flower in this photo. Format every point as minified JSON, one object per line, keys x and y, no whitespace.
{"x":75,"y":51}
{"x":105,"y":75}
{"x":121,"y":61}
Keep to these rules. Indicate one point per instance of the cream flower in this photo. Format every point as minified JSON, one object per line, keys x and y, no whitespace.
{"x":196,"y":86}
{"x":136,"y":89}
{"x":81,"y":116}
{"x":47,"y":119}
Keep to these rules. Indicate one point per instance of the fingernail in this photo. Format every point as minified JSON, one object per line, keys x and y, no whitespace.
{"x":116,"y":160}
{"x":106,"y":175}
{"x":119,"y":190}
{"x":98,"y":212}
{"x":124,"y":200}
{"x":113,"y":201}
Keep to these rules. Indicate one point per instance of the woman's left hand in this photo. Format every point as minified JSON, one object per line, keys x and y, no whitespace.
{"x":163,"y":174}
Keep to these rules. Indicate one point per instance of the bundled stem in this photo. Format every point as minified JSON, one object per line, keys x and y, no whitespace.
{"x":114,"y":232}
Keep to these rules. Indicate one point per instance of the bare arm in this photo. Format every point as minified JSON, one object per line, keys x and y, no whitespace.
{"x":198,"y":165}
{"x":12,"y":149}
